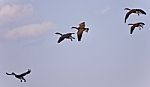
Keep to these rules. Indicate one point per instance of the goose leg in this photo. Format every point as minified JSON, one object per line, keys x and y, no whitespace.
{"x":138,"y":13}
{"x":141,"y":26}
{"x":24,"y":79}
{"x":72,"y":37}
{"x":20,"y":80}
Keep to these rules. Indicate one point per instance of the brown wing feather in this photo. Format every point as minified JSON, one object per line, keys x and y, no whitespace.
{"x":79,"y":34}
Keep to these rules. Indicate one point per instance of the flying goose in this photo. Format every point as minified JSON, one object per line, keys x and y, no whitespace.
{"x":136,"y":11}
{"x":139,"y":24}
{"x":20,"y":76}
{"x":65,"y":36}
{"x":80,"y":29}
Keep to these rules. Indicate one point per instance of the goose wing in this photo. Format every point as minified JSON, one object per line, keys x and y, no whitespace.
{"x":70,"y":34}
{"x":141,"y":23}
{"x":67,"y":35}
{"x":74,"y":27}
{"x":132,"y":28}
{"x":127,"y":15}
{"x":79,"y":35}
{"x":60,"y":39}
{"x":141,"y":11}
{"x":23,"y":74}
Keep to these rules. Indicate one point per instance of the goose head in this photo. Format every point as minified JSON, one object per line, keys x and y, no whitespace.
{"x":58,"y":33}
{"x":83,"y":23}
{"x":127,"y":9}
{"x":13,"y":73}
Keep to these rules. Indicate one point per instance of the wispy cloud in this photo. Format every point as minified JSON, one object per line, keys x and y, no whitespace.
{"x":28,"y":31}
{"x":105,"y":10}
{"x":14,"y":11}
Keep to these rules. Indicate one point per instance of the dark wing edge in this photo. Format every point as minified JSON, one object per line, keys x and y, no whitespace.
{"x":143,"y":12}
{"x":70,"y":33}
{"x":79,"y":34}
{"x":29,"y":71}
{"x":132,"y":29}
{"x":127,"y":15}
{"x":142,"y":23}
{"x":60,"y":39}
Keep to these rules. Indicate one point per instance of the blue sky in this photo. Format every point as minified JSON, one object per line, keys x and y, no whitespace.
{"x":107,"y":56}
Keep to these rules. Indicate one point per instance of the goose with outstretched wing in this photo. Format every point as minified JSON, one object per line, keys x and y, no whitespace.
{"x":136,"y":11}
{"x":20,"y":76}
{"x":81,"y":29}
{"x":139,"y":25}
{"x":65,"y":36}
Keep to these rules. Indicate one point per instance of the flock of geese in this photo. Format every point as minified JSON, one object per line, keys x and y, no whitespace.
{"x":134,"y":25}
{"x":81,"y":28}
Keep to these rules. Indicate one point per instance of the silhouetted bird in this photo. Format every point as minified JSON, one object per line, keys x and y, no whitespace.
{"x":80,"y":29}
{"x":139,"y":24}
{"x":20,"y":76}
{"x":65,"y":36}
{"x":136,"y":11}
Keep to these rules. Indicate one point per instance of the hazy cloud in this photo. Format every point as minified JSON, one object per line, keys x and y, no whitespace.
{"x":27,"y":31}
{"x":14,"y":11}
{"x":105,"y":10}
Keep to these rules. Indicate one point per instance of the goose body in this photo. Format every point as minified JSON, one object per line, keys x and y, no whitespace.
{"x":139,"y":24}
{"x":81,"y":29}
{"x":20,"y":76}
{"x":65,"y":36}
{"x":131,"y":11}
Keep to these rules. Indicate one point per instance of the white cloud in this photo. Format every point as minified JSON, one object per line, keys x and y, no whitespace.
{"x":28,"y":31}
{"x":14,"y":11}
